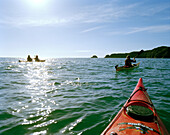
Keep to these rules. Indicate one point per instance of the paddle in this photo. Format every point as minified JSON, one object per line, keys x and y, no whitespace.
{"x":139,"y":53}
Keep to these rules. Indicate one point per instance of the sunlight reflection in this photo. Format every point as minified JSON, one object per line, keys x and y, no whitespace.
{"x":72,"y":125}
{"x":40,"y":133}
{"x":37,"y":75}
{"x":38,"y":88}
{"x":44,"y":124}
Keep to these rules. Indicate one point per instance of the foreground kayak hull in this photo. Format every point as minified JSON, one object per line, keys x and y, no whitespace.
{"x":127,"y":68}
{"x":131,"y":123}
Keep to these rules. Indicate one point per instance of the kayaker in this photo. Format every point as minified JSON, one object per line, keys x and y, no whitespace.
{"x":36,"y":58}
{"x":128,"y":61}
{"x":29,"y":58}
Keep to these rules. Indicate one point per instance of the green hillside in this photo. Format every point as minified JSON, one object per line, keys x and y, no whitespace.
{"x":159,"y":52}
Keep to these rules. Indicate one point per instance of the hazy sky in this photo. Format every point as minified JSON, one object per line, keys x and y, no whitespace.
{"x":82,"y":28}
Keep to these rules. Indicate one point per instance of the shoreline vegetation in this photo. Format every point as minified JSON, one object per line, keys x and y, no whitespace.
{"x":159,"y":52}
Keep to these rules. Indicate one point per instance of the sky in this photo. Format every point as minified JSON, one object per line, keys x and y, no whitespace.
{"x":82,"y":28}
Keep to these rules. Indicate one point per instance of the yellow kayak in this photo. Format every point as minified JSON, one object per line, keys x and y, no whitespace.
{"x":126,"y":68}
{"x":31,"y":61}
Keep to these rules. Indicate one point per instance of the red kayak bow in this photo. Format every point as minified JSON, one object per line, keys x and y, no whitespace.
{"x":137,"y":117}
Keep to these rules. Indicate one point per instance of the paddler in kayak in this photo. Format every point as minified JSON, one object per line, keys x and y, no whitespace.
{"x":29,"y":59}
{"x":36,"y":58}
{"x":128,"y":61}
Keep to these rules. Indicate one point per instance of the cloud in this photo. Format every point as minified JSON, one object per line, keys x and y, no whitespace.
{"x":107,"y":12}
{"x":153,"y":9}
{"x":98,"y":13}
{"x":115,"y":12}
{"x":150,"y":29}
{"x":91,"y":29}
{"x":32,"y":22}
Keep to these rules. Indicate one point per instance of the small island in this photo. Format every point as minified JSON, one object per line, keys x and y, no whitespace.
{"x":94,"y":56}
{"x":159,"y":52}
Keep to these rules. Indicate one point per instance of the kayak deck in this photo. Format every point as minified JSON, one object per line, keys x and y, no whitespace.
{"x":138,"y":116}
{"x":126,"y":68}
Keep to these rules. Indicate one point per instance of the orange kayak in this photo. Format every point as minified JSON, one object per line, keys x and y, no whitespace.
{"x":137,"y":117}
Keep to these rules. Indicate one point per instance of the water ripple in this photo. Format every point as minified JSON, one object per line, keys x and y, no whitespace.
{"x":74,"y":96}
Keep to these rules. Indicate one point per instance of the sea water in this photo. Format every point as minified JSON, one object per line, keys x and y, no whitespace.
{"x":74,"y":96}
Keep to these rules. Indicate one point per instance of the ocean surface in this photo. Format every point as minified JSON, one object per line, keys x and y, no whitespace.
{"x":74,"y":96}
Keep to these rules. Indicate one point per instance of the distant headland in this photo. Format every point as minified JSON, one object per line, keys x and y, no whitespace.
{"x":94,"y":56}
{"x":159,"y":52}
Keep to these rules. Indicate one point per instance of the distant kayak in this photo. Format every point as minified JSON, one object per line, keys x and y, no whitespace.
{"x":40,"y":61}
{"x":126,"y":68}
{"x":31,"y":61}
{"x":138,"y":116}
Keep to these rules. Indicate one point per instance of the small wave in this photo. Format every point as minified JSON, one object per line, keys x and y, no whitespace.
{"x":57,"y":83}
{"x":20,"y":83}
{"x":149,"y":68}
{"x":163,"y":69}
{"x":5,"y":115}
{"x":74,"y":96}
{"x":103,"y":88}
